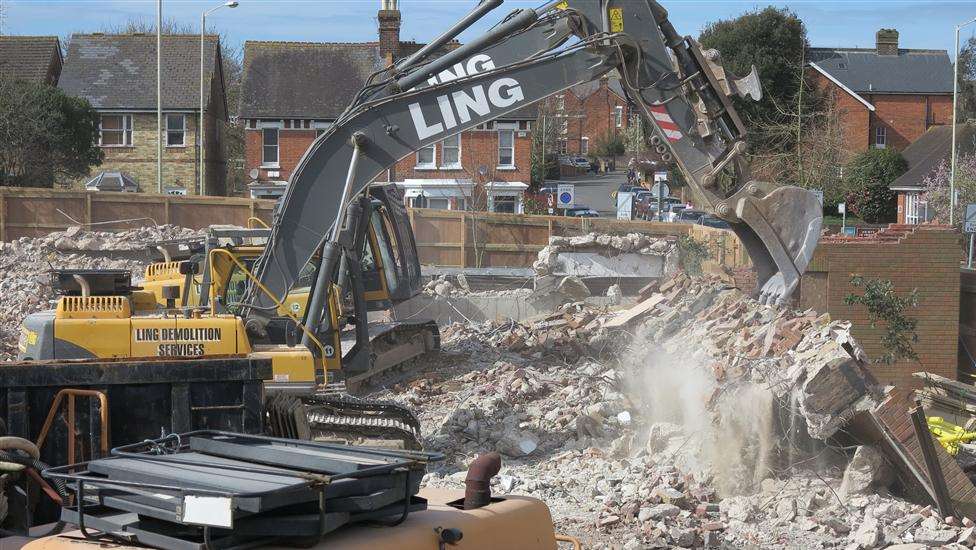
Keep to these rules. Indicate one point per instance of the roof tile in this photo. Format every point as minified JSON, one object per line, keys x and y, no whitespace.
{"x":909,"y":72}
{"x":29,"y":57}
{"x":118,"y":71}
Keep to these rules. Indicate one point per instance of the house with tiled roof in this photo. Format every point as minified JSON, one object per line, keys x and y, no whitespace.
{"x":924,"y":156}
{"x":31,"y":58}
{"x":292,"y":92}
{"x":586,"y":113}
{"x":116,"y":73}
{"x":886,"y":96}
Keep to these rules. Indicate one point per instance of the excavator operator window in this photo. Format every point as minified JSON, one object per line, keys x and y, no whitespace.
{"x":236,"y":287}
{"x":367,"y":260}
{"x":387,"y":245}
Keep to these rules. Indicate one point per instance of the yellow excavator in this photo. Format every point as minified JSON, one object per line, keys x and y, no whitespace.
{"x":323,"y":231}
{"x":318,"y":234}
{"x":188,"y":305}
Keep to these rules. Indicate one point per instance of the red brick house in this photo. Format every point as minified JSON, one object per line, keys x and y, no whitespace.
{"x":283,"y":112}
{"x":887,"y":96}
{"x":586,"y":113}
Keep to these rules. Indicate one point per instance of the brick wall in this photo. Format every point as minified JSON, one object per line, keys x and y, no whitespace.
{"x":139,"y":160}
{"x":590,"y":116}
{"x":180,"y":166}
{"x":853,"y":115}
{"x":478,"y":148}
{"x":912,"y":257}
{"x":906,"y":116}
{"x":292,"y":144}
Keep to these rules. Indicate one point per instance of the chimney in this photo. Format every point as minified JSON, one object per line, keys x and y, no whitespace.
{"x":887,"y":42}
{"x":389,"y":18}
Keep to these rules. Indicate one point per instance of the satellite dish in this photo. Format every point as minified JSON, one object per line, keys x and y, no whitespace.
{"x":254,"y":173}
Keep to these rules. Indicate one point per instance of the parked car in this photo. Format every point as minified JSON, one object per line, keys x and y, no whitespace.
{"x":689,"y":215}
{"x":582,"y":212}
{"x":671,"y":211}
{"x":574,"y":160}
{"x":712,"y":221}
{"x":548,"y":189}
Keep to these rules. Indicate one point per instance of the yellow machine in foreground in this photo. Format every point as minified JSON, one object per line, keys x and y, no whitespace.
{"x":512,"y":522}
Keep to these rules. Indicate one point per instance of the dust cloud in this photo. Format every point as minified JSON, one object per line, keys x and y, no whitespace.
{"x":722,"y":431}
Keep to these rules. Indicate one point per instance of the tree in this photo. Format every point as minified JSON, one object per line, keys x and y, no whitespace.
{"x":936,"y":185}
{"x":867,"y":178}
{"x":45,"y":135}
{"x":635,"y":136}
{"x":819,"y":149}
{"x":967,"y":80}
{"x":610,"y":146}
{"x":775,"y":41}
{"x":887,"y":308}
{"x":544,"y":159}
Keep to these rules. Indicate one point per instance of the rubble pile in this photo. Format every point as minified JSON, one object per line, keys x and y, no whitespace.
{"x":701,"y":424}
{"x":604,"y":244}
{"x":24,"y":264}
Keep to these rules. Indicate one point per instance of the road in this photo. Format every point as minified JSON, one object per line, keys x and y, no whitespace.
{"x":593,"y":191}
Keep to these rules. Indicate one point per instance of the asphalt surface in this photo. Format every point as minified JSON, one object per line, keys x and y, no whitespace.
{"x":593,"y":191}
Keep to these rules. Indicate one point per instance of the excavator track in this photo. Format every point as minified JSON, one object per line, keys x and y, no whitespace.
{"x":393,"y":345}
{"x":333,"y":414}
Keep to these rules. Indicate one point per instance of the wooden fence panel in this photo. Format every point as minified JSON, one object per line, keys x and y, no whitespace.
{"x":26,"y":212}
{"x":482,"y":239}
{"x":111,"y":207}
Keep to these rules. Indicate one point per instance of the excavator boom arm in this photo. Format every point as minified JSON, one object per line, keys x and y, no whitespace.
{"x":680,"y":89}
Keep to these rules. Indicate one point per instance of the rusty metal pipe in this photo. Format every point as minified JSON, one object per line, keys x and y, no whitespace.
{"x":477,"y":492}
{"x":71,"y":393}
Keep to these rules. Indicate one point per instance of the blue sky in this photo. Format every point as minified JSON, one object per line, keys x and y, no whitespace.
{"x":923,"y":24}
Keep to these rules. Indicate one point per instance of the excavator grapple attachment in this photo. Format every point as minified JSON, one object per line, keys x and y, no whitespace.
{"x":780,"y":232}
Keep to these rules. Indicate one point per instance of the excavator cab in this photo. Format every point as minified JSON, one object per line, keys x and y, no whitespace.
{"x":390,"y":266}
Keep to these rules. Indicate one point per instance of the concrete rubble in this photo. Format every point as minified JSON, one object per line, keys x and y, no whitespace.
{"x":695,"y":418}
{"x":712,"y":428}
{"x":24,"y":264}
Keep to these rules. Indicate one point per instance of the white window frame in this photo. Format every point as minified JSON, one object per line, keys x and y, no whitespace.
{"x":618,"y":116}
{"x":432,"y":165}
{"x":914,"y":208}
{"x":561,"y":102}
{"x":880,"y":137}
{"x":181,"y":130}
{"x":276,"y":163}
{"x":444,"y":147}
{"x":419,"y":201}
{"x":126,"y":130}
{"x":320,"y":127}
{"x":514,"y":200}
{"x":510,"y":166}
{"x":564,"y":126}
{"x":441,"y":201}
{"x":562,"y":146}
{"x":585,"y":146}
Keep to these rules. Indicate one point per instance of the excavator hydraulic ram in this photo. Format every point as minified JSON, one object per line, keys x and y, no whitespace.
{"x":682,"y":90}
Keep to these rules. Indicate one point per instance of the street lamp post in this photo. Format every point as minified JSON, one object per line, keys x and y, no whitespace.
{"x":955,"y":104}
{"x":159,"y":96}
{"x":203,"y":34}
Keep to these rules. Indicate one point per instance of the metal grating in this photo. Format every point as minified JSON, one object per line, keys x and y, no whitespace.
{"x":219,"y":489}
